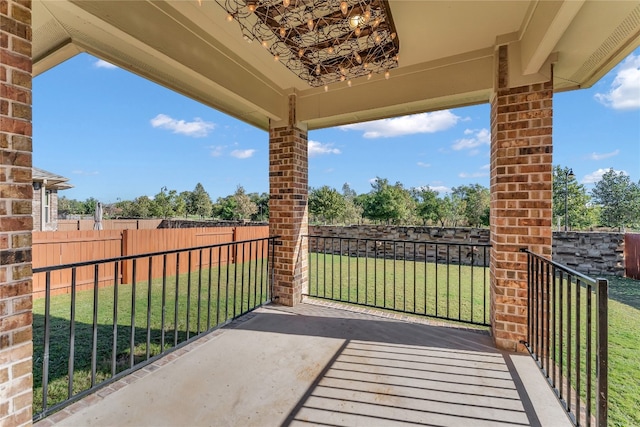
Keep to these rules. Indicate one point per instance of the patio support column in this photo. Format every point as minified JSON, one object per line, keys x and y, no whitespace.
{"x":521,"y":195}
{"x":16,"y":219}
{"x":288,"y":214}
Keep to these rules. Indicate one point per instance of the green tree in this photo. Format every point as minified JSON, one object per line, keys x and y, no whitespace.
{"x":326,"y":204}
{"x":89,"y":206}
{"x":199,"y":202}
{"x":619,"y":199}
{"x":427,"y":204}
{"x":225,"y":208}
{"x":352,"y":210}
{"x":262,"y":202}
{"x":69,"y":206}
{"x":167,"y":204}
{"x":581,"y":214}
{"x":451,"y":210}
{"x":245,"y":208}
{"x":475,"y":202}
{"x":389,"y":203}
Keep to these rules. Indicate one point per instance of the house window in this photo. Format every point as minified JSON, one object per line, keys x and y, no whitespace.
{"x":47,"y":206}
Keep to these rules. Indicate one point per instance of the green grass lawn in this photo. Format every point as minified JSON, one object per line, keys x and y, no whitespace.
{"x":159,"y":317}
{"x":624,"y":352}
{"x":385,"y":284}
{"x":451,"y":292}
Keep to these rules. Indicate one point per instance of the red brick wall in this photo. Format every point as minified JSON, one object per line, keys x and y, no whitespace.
{"x":15,"y":213}
{"x":288,"y":214}
{"x":521,"y":194}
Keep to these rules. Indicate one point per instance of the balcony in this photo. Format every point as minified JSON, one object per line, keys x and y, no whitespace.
{"x":315,"y":364}
{"x":389,"y":332}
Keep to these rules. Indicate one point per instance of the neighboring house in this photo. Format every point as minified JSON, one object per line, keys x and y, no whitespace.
{"x":45,"y":198}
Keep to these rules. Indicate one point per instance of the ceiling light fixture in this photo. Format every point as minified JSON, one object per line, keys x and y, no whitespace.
{"x":344,"y":39}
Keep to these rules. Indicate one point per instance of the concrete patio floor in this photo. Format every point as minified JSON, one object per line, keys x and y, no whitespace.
{"x":320,"y":365}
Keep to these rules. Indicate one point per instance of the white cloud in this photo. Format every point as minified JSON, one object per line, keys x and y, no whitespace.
{"x":486,"y":167}
{"x":478,"y":138}
{"x":243,"y":154}
{"x":440,"y":189}
{"x":216,"y":150}
{"x":317,"y":148}
{"x":596,"y":176}
{"x":198,"y":128}
{"x":472,"y":175}
{"x":424,"y":165}
{"x":407,"y":125}
{"x":104,"y":64}
{"x":600,"y":156}
{"x":624,"y":93}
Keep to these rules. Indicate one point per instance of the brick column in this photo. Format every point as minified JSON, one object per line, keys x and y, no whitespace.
{"x":521,"y":195}
{"x":288,"y":214}
{"x":15,"y":214}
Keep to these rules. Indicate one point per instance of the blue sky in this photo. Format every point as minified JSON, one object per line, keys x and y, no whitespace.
{"x":118,"y":136}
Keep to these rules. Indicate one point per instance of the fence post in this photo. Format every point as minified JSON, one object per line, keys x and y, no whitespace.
{"x":125,"y":265}
{"x":602,"y":360}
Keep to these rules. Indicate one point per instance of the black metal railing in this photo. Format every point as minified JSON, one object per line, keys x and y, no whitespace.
{"x":435,"y":279}
{"x":568,"y":337}
{"x":88,"y":333}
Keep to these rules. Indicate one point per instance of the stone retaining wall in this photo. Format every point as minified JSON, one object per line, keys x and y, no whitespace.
{"x":587,"y":252}
{"x":590,"y":253}
{"x":442,"y":245}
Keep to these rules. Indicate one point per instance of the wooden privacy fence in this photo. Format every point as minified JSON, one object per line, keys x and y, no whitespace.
{"x":56,"y":248}
{"x":108,"y":224}
{"x":632,"y":256}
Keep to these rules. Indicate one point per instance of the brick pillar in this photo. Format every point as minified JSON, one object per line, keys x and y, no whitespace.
{"x":15,"y":214}
{"x":521,"y":194}
{"x":288,"y":214}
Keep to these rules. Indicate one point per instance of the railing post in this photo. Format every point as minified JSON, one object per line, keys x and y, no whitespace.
{"x":602,"y":345}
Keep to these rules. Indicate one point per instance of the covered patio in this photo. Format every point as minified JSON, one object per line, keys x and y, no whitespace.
{"x":313,"y":364}
{"x":511,"y":54}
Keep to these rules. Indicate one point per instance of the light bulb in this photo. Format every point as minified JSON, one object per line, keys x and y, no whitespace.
{"x":387,"y":74}
{"x":265,"y":44}
{"x":349,"y":83}
{"x":344,"y":7}
{"x":252,"y":7}
{"x":286,"y":3}
{"x":301,"y":53}
{"x":393,"y":36}
{"x":276,"y":57}
{"x":376,"y":22}
{"x":229,"y":17}
{"x":367,"y":15}
{"x":318,"y":69}
{"x":369,"y":76}
{"x":326,"y":88}
{"x":357,"y":31}
{"x":366,"y":65}
{"x":330,"y":50}
{"x":283,"y":32}
{"x":358,"y":58}
{"x":342,"y":78}
{"x":378,"y":39}
{"x":310,"y":24}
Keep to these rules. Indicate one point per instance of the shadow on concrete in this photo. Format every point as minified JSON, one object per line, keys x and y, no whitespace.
{"x":389,"y":372}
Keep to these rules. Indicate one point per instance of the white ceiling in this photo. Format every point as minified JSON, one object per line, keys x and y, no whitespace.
{"x":446,"y":53}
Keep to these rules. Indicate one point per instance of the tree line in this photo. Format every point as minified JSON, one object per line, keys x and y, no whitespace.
{"x":614,"y":202}
{"x":171,"y":204}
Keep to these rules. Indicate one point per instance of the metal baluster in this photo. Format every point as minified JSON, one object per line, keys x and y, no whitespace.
{"x":114,"y":347}
{"x":72,"y":333}
{"x":132,"y":331}
{"x":164,"y":301}
{"x":149,"y":279}
{"x":176,"y":305}
{"x":94,"y":335}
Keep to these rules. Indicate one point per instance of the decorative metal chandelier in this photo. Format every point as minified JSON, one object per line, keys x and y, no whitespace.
{"x":321,"y":41}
